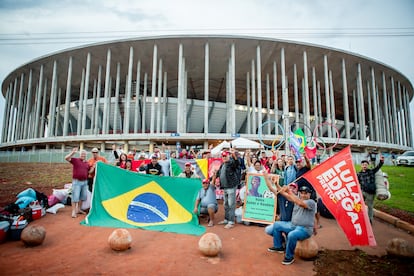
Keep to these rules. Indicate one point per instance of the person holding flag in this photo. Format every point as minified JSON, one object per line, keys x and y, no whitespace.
{"x":302,"y":223}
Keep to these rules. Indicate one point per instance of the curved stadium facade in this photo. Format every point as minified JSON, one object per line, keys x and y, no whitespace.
{"x":198,"y":90}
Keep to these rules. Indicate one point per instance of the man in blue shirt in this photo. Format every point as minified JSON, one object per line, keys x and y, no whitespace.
{"x":206,"y":198}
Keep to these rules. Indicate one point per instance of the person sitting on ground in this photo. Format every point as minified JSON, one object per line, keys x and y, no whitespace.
{"x":188,"y":172}
{"x":299,"y":228}
{"x":206,"y":198}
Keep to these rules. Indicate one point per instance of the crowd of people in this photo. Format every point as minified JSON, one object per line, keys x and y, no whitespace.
{"x":297,"y":217}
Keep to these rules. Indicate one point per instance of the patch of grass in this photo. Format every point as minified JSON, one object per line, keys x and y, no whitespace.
{"x":401,"y":181}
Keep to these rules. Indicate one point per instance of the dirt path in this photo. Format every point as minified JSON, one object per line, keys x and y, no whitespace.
{"x":71,"y":248}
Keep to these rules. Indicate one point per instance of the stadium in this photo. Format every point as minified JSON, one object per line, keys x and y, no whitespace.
{"x":201,"y":90}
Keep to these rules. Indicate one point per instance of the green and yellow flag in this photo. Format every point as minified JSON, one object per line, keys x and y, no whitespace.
{"x":200,"y":166}
{"x":125,"y":199}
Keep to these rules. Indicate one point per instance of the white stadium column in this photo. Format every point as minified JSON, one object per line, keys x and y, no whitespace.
{"x":116,"y":104}
{"x":38,"y":103}
{"x":259,"y":87}
{"x":275,"y":98}
{"x":19,"y":108}
{"x":5,"y":116}
{"x":107,"y":98}
{"x":361,"y":105}
{"x":86,"y":92}
{"x":206,"y":85}
{"x":285,"y":98}
{"x":153,"y":88}
{"x":80,"y":104}
{"x":97,"y":104}
{"x":375,"y":103}
{"x":345,"y":105}
{"x":248,"y":105}
{"x":296,"y":95}
{"x":370,"y":116}
{"x":52,"y":102}
{"x":305,"y":94}
{"x":67,"y":98}
{"x":144,"y":104}
{"x":386,"y":111}
{"x":159,"y":97}
{"x":315,"y":99}
{"x":137,"y":96}
{"x":28,"y":105}
{"x":233,"y":89}
{"x":128,"y":91}
{"x":164,"y":104}
{"x":332,"y":99}
{"x":180,"y":91}
{"x":43,"y":116}
{"x":253,"y":114}
{"x":268,"y":102}
{"x":327,"y":94}
{"x":394,"y":112}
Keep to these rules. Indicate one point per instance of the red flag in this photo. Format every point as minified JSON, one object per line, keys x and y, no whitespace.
{"x":336,"y":182}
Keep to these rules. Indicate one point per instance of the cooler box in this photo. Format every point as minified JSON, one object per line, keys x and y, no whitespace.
{"x":16,"y":229}
{"x":4,"y":226}
{"x":36,"y":212}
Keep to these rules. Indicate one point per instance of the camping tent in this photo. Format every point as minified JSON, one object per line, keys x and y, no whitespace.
{"x":239,"y":143}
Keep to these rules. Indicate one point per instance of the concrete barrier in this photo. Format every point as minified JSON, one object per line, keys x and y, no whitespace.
{"x":394,"y":221}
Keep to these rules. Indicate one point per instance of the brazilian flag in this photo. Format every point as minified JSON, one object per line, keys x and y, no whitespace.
{"x":126,"y":199}
{"x":200,"y":166}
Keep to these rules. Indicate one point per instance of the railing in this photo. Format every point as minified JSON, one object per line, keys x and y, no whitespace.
{"x":51,"y":156}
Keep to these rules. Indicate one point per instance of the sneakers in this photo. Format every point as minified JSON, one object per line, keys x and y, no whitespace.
{"x":229,"y":225}
{"x":276,"y":249}
{"x":210,"y":223}
{"x":288,"y":261}
{"x":223,"y":222}
{"x":74,"y":214}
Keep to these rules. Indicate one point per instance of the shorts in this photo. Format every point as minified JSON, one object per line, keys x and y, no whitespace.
{"x":79,"y":190}
{"x":204,"y":209}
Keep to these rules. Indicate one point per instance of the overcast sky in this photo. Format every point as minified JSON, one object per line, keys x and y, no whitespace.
{"x":378,"y":29}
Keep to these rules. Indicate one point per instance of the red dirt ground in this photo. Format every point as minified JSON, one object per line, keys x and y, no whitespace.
{"x":71,"y":248}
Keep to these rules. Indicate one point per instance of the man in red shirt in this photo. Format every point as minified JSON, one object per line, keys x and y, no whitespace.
{"x":92,"y":163}
{"x":80,"y":172}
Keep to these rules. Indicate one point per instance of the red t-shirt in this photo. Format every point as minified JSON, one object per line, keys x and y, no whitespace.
{"x":80,"y":168}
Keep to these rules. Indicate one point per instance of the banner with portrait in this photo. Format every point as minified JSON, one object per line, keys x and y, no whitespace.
{"x":259,"y":202}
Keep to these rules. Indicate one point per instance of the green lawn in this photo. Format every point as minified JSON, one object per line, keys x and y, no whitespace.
{"x":401,"y":181}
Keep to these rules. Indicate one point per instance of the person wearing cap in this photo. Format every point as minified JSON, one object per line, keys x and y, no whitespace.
{"x":229,"y":179}
{"x":153,"y":167}
{"x":80,"y":172}
{"x":188,"y":172}
{"x":206,"y":199}
{"x":302,"y":223}
{"x":92,"y":163}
